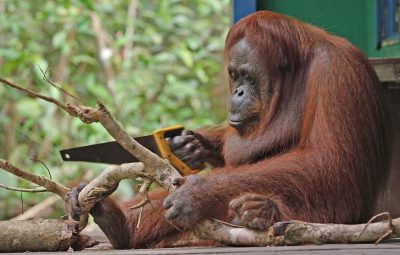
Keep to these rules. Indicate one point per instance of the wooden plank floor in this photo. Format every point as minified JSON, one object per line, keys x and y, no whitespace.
{"x":382,"y":249}
{"x":385,"y":248}
{"x":328,"y":249}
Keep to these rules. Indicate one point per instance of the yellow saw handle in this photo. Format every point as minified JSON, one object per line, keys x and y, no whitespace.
{"x":165,"y":152}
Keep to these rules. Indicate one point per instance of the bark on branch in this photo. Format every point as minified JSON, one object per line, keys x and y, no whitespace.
{"x":298,"y":232}
{"x":41,"y":235}
{"x":104,"y":185}
{"x":42,"y":181}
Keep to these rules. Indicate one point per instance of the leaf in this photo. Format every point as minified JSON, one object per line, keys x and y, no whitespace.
{"x":59,"y":39}
{"x":202,"y":75}
{"x":88,"y":4}
{"x":186,"y":57}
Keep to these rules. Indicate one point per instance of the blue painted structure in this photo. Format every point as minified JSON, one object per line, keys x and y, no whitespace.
{"x":371,"y":25}
{"x":242,"y":8}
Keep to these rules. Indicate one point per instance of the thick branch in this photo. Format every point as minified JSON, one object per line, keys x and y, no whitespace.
{"x":104,"y":185}
{"x":41,"y":235}
{"x":297,"y":232}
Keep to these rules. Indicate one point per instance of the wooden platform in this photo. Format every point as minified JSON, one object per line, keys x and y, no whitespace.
{"x":327,"y":249}
{"x":381,"y":249}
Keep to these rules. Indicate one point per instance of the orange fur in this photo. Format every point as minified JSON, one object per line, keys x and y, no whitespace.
{"x":319,"y":151}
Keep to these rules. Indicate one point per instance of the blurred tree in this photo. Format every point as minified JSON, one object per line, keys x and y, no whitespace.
{"x":153,"y":63}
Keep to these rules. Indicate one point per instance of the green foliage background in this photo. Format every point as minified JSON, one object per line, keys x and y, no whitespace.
{"x":157,"y":66}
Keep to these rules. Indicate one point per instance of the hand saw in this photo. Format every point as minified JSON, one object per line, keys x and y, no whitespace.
{"x":114,"y":153}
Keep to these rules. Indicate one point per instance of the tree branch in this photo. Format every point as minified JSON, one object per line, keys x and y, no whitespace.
{"x":54,"y":235}
{"x":23,"y":189}
{"x":35,"y":94}
{"x":298,"y":232}
{"x":104,"y":185}
{"x":42,"y":181}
